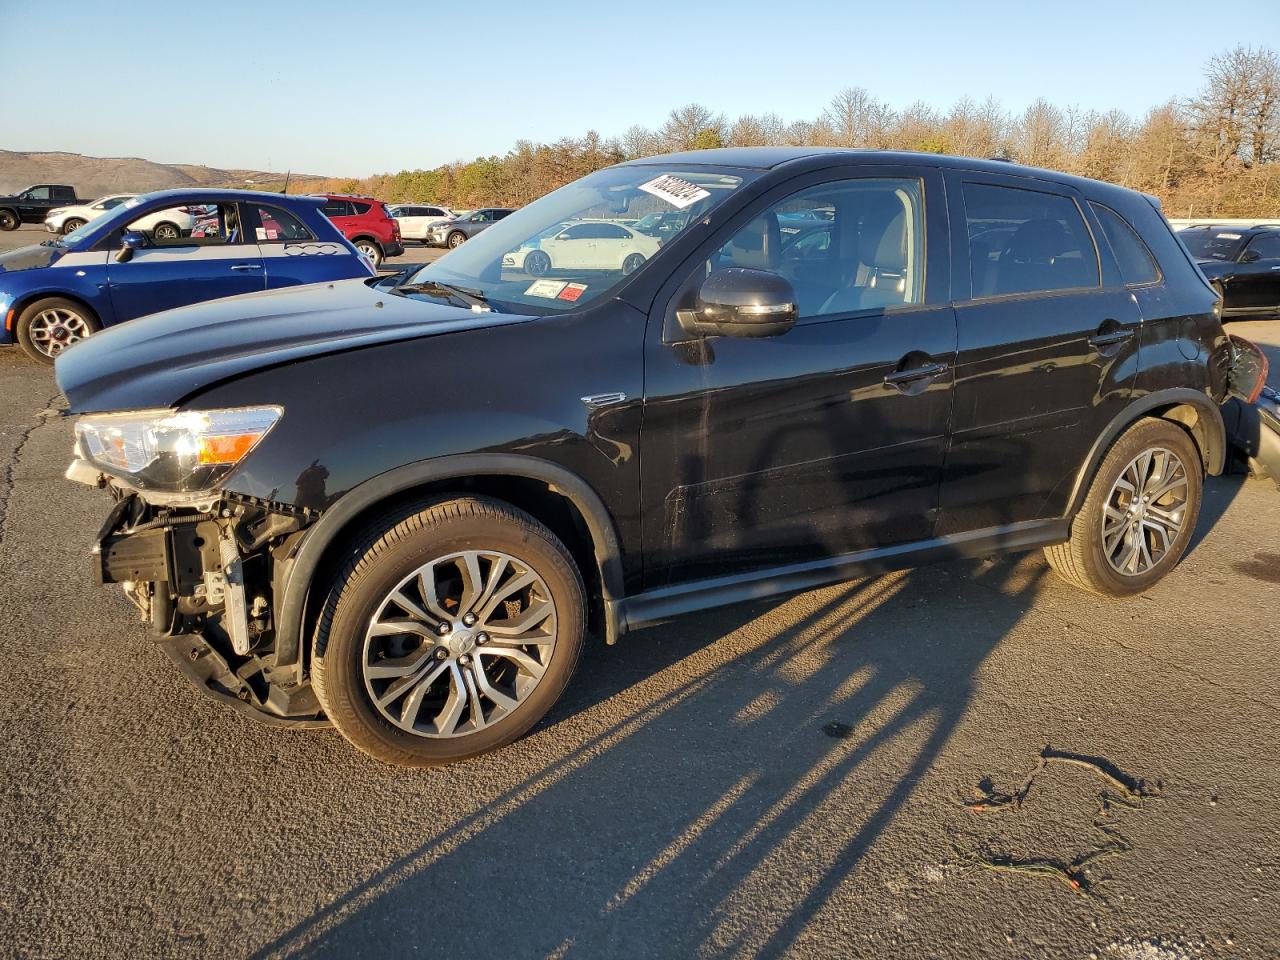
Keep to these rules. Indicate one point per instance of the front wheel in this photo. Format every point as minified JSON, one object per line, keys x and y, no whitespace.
{"x":450,"y":633}
{"x":1139,"y":514}
{"x":372,"y":251}
{"x":8,"y":220}
{"x":47,"y":327}
{"x":456,"y":239}
{"x":166,"y":231}
{"x":632,"y":263}
{"x":71,"y":223}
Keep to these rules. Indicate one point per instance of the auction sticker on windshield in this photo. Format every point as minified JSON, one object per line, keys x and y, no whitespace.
{"x":679,"y":193}
{"x":545,"y":288}
{"x":572,"y":291}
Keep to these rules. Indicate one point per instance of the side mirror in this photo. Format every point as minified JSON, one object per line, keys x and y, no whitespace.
{"x":738,"y":302}
{"x":1249,"y":256}
{"x":132,"y":241}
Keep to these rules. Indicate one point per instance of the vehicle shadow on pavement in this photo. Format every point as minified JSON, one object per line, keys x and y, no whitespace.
{"x":788,"y":741}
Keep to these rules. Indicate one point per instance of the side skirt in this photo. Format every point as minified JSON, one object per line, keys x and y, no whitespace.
{"x":655,"y":606}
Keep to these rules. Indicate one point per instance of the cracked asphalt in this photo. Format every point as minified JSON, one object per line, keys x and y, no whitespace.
{"x":785,"y":778}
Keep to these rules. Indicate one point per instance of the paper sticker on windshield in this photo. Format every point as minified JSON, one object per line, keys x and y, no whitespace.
{"x":545,"y":288}
{"x":679,"y":193}
{"x":572,"y":291}
{"x":1229,"y":236}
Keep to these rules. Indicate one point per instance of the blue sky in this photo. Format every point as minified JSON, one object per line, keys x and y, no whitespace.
{"x":350,"y":88}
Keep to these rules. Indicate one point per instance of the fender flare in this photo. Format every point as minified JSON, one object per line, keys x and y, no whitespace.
{"x":1215,"y":435}
{"x":291,"y":610}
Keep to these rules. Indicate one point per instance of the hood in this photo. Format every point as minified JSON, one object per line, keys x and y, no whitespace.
{"x":160,"y":360}
{"x":29,"y":258}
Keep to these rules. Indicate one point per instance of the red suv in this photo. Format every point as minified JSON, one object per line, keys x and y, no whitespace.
{"x":366,"y":223}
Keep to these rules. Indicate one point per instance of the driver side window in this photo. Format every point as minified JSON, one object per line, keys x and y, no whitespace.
{"x":847,"y":246}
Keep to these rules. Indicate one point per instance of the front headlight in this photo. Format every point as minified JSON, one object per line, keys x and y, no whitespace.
{"x":176,"y":451}
{"x":54,"y":213}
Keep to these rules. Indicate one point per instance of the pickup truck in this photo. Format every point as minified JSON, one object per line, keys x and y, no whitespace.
{"x":32,"y":204}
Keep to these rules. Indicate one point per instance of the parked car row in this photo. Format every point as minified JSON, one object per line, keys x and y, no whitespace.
{"x":398,"y":504}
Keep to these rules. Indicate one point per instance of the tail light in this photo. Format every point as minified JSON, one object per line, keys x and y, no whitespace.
{"x":1249,"y":368}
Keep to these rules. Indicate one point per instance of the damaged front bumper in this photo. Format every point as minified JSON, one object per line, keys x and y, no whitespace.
{"x":204,"y":576}
{"x":1254,"y":429}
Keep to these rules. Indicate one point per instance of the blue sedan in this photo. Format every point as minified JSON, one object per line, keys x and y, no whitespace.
{"x":120,"y":266}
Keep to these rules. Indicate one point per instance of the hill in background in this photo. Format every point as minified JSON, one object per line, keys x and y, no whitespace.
{"x":98,"y":176}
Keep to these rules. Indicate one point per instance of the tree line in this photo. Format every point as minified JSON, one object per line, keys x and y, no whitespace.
{"x":1216,"y":154}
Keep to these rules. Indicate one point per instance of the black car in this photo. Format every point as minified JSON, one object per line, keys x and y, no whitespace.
{"x":402,"y":509}
{"x":33,"y":204}
{"x":1245,"y":262}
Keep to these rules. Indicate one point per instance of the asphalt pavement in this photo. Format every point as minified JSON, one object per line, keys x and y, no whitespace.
{"x":824,"y":776}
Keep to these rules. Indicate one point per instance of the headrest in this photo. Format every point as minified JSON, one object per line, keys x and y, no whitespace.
{"x":758,"y":244}
{"x":882,"y":238}
{"x":1038,"y":241}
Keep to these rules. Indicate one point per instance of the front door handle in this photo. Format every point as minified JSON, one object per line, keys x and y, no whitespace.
{"x":247,"y":266}
{"x":928,"y":371}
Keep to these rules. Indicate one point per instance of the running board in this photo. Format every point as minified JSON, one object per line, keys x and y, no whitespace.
{"x":655,"y":606}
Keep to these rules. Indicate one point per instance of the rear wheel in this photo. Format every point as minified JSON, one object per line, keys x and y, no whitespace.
{"x":456,"y":239}
{"x":1139,"y":514}
{"x":371,"y":250}
{"x":632,"y":263}
{"x":451,"y":633}
{"x":72,"y":223}
{"x":166,"y":231}
{"x":47,"y":327}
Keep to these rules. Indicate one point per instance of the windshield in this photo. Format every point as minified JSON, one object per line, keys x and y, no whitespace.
{"x":119,"y":211}
{"x":575,"y":244}
{"x":1205,"y":245}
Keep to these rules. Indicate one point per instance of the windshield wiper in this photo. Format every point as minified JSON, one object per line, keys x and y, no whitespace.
{"x":472,"y":298}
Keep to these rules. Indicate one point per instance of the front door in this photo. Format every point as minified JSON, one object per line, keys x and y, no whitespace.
{"x":175,"y":271}
{"x":1047,"y":350}
{"x":824,"y":441}
{"x":1255,"y":281}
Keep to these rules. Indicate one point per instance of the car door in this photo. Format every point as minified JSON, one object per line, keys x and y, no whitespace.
{"x":825,"y":441}
{"x":173,"y":273}
{"x":1254,"y":283}
{"x":570,"y":249}
{"x":33,"y":203}
{"x":1047,"y":348}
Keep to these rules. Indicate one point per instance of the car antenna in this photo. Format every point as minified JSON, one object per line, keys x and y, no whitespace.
{"x":285,"y":188}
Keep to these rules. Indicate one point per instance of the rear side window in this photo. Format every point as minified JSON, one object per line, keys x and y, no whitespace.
{"x":1026,"y":241}
{"x":361,"y":208}
{"x":1136,"y":263}
{"x":276,"y":225}
{"x":336,"y":208}
{"x":499,"y":214}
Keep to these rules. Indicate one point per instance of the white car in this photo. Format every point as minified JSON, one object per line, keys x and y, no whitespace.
{"x":585,"y":245}
{"x":416,"y":219}
{"x":163,"y":225}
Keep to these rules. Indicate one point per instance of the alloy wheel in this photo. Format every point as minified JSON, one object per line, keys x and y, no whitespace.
{"x":1144,"y":512}
{"x":166,"y":231}
{"x":53,"y":330}
{"x":459,"y":644}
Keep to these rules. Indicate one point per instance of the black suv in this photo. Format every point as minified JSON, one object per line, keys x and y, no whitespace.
{"x":401,"y":506}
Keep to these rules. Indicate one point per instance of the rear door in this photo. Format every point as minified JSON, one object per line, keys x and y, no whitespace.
{"x":1047,"y":348}
{"x":290,"y":253}
{"x":175,"y":272}
{"x":827,"y":440}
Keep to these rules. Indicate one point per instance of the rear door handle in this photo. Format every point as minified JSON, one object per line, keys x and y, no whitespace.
{"x":1110,"y":339}
{"x":928,"y":371}
{"x":246,"y":266}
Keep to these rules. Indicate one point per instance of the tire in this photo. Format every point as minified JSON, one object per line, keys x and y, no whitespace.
{"x":1138,"y":549}
{"x":389,"y":560}
{"x":372,"y":250}
{"x":8,"y":220}
{"x":632,"y":263}
{"x":47,"y":327}
{"x":71,"y":223}
{"x":165,"y":231}
{"x":455,"y":240}
{"x":537,"y":263}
